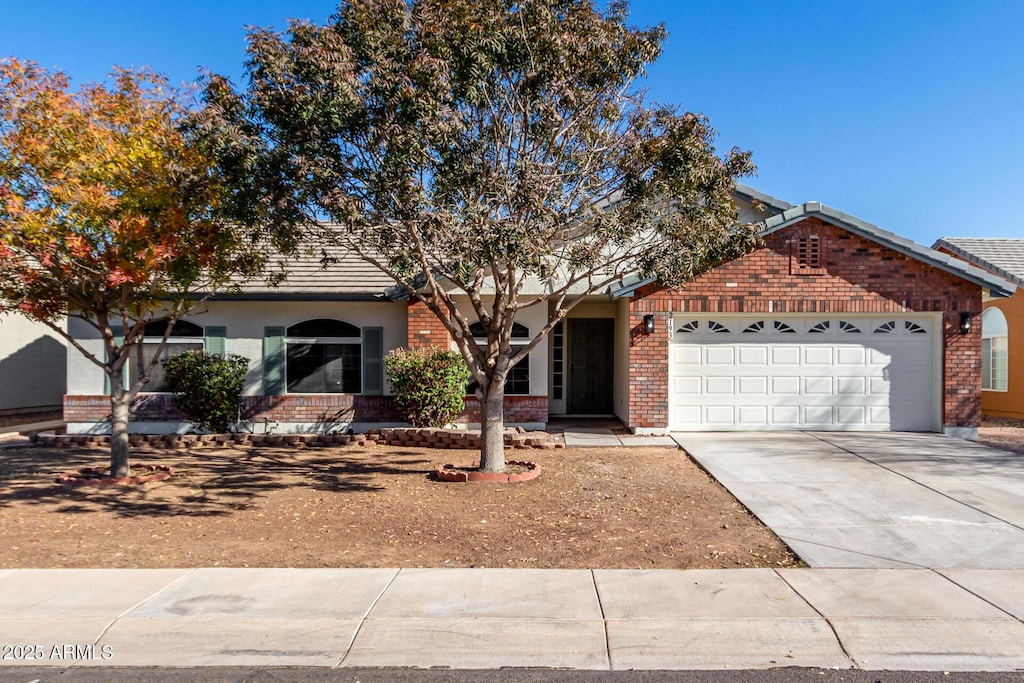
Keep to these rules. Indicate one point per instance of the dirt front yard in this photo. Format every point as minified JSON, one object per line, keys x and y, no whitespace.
{"x":1002,"y":432}
{"x":377,"y":507}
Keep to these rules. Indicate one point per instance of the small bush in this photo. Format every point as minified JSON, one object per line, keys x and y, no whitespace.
{"x":206,"y":388}
{"x":429,"y":384}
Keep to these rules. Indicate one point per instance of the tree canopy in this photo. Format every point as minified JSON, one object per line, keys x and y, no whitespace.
{"x":488,"y":155}
{"x":112,"y":211}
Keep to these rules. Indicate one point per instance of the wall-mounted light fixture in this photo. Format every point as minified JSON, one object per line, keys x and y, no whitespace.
{"x":648,"y":324}
{"x":965,"y":323}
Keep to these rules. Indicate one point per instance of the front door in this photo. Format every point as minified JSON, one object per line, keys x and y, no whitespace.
{"x":591,"y":358}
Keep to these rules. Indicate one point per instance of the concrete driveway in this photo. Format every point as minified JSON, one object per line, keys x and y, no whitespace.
{"x":858,"y":499}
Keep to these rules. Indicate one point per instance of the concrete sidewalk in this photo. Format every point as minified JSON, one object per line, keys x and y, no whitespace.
{"x":490,"y":618}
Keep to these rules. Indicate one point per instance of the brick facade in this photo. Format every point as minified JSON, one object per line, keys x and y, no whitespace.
{"x":860,"y":276}
{"x":322,"y":409}
{"x":425,"y":330}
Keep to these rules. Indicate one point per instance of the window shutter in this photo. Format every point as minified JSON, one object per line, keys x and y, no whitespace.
{"x":273,"y":361}
{"x":373,"y":360}
{"x":214,"y":340}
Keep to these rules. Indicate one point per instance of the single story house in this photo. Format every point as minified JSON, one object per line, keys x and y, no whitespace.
{"x":1002,"y":321}
{"x":33,"y":366}
{"x":832,"y":324}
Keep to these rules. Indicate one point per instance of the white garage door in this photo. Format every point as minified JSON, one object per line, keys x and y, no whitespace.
{"x":822,"y":373}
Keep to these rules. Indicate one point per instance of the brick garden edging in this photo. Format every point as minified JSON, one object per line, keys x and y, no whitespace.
{"x":467,"y":472}
{"x":398,"y":436}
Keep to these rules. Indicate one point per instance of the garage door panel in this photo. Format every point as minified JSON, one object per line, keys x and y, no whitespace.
{"x":719,"y":355}
{"x":818,"y":415}
{"x":720,"y":415}
{"x":687,"y":355}
{"x":818,"y":386}
{"x":687,"y":414}
{"x":846,"y":386}
{"x":754,"y":355}
{"x":721,"y":386}
{"x":785,"y":355}
{"x":852,"y":416}
{"x":850,"y":355}
{"x":786,"y":386}
{"x":879,"y":415}
{"x":823,"y":376}
{"x":686,"y":385}
{"x":785,"y":415}
{"x":819,"y":355}
{"x":757,"y":385}
{"x":753,"y":415}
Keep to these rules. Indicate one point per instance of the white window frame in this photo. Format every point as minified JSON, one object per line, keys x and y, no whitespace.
{"x":994,"y":348}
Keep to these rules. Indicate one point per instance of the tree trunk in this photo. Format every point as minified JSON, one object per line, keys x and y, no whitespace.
{"x":492,"y":428}
{"x":120,"y":401}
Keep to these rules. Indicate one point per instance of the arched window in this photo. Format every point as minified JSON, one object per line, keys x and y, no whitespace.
{"x":185,"y":336}
{"x":324,"y":356}
{"x":518,"y":381}
{"x":993,"y":350}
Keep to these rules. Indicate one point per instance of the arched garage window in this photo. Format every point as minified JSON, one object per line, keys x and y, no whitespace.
{"x":185,"y":336}
{"x":993,"y":350}
{"x":518,"y":381}
{"x":324,"y":357}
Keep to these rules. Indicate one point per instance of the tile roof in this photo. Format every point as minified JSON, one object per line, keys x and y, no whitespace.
{"x":346,"y":278}
{"x":769,"y":201}
{"x":1003,"y":256}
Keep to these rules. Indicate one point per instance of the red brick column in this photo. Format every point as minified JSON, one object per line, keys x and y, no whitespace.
{"x":648,"y":371}
{"x":961,"y":361}
{"x":425,"y":330}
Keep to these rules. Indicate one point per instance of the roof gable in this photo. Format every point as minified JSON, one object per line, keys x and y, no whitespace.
{"x":997,"y":285}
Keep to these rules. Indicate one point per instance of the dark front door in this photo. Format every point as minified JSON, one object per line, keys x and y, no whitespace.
{"x":591,"y":357}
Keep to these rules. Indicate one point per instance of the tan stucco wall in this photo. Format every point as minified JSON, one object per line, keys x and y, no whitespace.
{"x":1009,"y":403}
{"x":32,"y":362}
{"x":244,"y":321}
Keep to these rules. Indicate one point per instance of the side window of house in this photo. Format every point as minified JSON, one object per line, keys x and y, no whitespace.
{"x":518,"y":381}
{"x":185,"y":336}
{"x":324,"y":356}
{"x":994,"y":364}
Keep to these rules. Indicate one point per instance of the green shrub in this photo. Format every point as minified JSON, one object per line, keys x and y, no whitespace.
{"x":206,"y":388}
{"x":429,"y":384}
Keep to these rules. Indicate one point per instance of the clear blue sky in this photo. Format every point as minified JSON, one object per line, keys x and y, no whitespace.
{"x":905,"y":113}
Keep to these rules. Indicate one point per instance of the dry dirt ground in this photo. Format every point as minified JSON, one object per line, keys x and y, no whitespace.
{"x":377,"y":507}
{"x":1003,"y":432}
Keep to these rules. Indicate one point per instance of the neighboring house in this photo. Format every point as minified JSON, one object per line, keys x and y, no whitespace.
{"x":33,"y":362}
{"x":1002,"y":323}
{"x":833,"y":324}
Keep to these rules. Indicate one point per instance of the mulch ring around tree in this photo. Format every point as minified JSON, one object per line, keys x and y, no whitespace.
{"x":100,"y":476}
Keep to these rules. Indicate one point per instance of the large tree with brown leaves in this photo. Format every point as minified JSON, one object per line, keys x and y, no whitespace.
{"x":495,"y":153}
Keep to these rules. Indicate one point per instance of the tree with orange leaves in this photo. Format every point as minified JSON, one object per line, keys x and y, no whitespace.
{"x":111,"y":211}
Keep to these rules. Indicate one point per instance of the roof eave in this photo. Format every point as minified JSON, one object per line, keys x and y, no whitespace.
{"x":978,"y":261}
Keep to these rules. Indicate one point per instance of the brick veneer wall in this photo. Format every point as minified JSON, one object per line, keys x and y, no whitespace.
{"x":425,"y":329}
{"x":325,"y":409}
{"x":321,"y":408}
{"x":860,"y":276}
